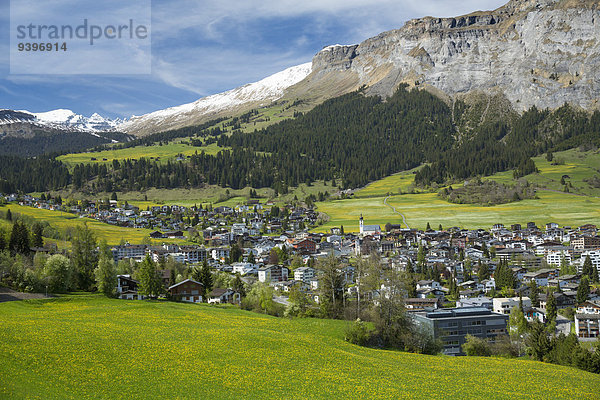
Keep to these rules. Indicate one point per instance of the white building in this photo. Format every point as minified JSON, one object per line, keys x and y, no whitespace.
{"x":304,"y":274}
{"x":594,"y":258}
{"x":504,"y":305}
{"x":368,"y":229}
{"x":244,"y":268}
{"x":556,"y":257}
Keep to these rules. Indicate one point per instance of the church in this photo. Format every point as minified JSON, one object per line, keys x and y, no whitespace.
{"x":366,"y":230}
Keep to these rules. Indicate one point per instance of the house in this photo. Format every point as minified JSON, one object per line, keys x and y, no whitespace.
{"x":136,"y":252}
{"x":304,"y":274}
{"x":174,"y":235}
{"x":534,"y":313}
{"x":220,"y":296}
{"x":244,"y":268}
{"x":424,"y":284}
{"x":127,"y":288}
{"x":504,"y":305}
{"x":488,"y":285}
{"x":157,"y":235}
{"x":273,"y":273}
{"x":562,"y":300}
{"x":587,"y":319}
{"x":305,"y":246}
{"x":479,"y":302}
{"x":452,"y":325}
{"x":188,"y":291}
{"x":421,"y":304}
{"x":586,"y":242}
{"x":541,"y":277}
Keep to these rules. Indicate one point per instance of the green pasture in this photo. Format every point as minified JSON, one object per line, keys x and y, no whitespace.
{"x":165,"y":152}
{"x":89,"y":347}
{"x":420,"y":209}
{"x":66,"y":222}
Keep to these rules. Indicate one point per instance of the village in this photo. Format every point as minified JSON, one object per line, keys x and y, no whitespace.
{"x":461,"y":285}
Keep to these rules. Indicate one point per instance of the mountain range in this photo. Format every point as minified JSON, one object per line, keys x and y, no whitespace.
{"x":60,"y":119}
{"x":542,"y":53}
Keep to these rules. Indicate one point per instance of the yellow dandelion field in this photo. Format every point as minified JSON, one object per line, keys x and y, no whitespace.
{"x":83,"y":347}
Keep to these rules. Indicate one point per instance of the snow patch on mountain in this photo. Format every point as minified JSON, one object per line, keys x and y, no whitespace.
{"x":268,"y":89}
{"x":64,"y":119}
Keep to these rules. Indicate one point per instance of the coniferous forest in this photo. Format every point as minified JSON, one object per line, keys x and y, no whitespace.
{"x":354,"y":139}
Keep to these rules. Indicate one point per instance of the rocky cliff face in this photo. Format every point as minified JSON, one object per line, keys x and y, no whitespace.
{"x":534,"y":52}
{"x":526,"y":53}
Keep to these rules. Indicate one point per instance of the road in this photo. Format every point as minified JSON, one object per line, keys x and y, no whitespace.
{"x":281,"y":300}
{"x":396,"y":211}
{"x":563,"y":325}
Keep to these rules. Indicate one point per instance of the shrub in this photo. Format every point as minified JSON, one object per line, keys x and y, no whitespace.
{"x":358,"y":332}
{"x":475,"y":346}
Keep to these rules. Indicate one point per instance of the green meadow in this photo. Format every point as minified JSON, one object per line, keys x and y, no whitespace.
{"x":86,"y":346}
{"x":576,"y":166}
{"x":165,"y":152}
{"x":66,"y":222}
{"x":420,"y":209}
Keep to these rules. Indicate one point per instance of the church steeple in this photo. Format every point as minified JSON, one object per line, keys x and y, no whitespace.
{"x":361,"y":224}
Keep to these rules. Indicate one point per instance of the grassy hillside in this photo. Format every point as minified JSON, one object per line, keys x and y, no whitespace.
{"x":419,"y":209}
{"x":66,"y":222}
{"x":165,"y":152}
{"x":90,"y":347}
{"x":578,"y":166}
{"x":576,"y":208}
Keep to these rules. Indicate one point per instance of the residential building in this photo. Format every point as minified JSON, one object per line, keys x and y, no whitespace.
{"x":244,"y":268}
{"x":220,"y":296}
{"x":479,"y":302}
{"x":273,"y":273}
{"x":188,"y":291}
{"x":127,"y":288}
{"x":586,"y":242}
{"x":504,"y":305}
{"x":454,"y":324}
{"x":586,"y":319}
{"x":304,"y":274}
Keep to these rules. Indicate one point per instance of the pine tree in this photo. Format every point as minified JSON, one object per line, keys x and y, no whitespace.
{"x":594,"y":277}
{"x":483,"y":272}
{"x":551,"y":310}
{"x":587,"y":267}
{"x":421,"y":259}
{"x":150,"y":284}
{"x":37,"y":232}
{"x":19,"y":239}
{"x":428,"y":227}
{"x":533,"y":293}
{"x":9,"y":215}
{"x":206,"y":279}
{"x":84,"y":256}
{"x":583,"y":291}
{"x":237,"y":284}
{"x":106,"y":272}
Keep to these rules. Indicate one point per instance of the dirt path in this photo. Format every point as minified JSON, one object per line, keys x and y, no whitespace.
{"x":7,"y":294}
{"x":396,"y":211}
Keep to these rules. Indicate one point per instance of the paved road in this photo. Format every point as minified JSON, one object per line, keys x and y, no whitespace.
{"x":396,"y":211}
{"x":563,"y":325}
{"x":281,"y":300}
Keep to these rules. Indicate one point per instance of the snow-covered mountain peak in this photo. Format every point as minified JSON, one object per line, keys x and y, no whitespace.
{"x":264,"y":91}
{"x":62,"y":119}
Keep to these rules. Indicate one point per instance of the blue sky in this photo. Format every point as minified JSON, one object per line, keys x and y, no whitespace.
{"x":205,"y":47}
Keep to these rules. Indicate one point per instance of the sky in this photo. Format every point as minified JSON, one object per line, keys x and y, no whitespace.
{"x":201,"y":47}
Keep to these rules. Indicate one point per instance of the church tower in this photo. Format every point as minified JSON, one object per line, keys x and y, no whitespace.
{"x":361,"y":224}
